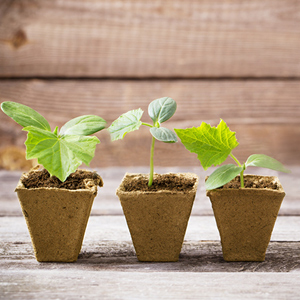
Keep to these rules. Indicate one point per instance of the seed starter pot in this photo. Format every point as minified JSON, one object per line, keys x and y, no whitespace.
{"x":157,"y":220}
{"x":56,"y":219}
{"x":245,"y":219}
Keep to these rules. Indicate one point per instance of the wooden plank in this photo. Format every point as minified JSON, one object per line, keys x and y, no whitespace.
{"x":108,"y":245}
{"x":107,"y":267}
{"x":202,"y":256}
{"x":265,"y":114}
{"x":150,"y":38}
{"x":107,"y":203}
{"x":96,"y":284}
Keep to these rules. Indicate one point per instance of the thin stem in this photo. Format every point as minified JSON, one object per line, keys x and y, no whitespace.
{"x":147,"y":124}
{"x":235,"y":159}
{"x":151,"y":163}
{"x":242,"y":178}
{"x":242,"y":172}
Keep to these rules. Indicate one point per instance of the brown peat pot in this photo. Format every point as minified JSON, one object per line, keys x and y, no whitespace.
{"x":245,"y":219}
{"x":56,"y":219}
{"x":157,"y":220}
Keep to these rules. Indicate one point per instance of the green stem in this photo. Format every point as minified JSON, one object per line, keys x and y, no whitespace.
{"x":235,"y":159}
{"x":242,"y":178}
{"x":242,"y":172}
{"x":147,"y":124}
{"x":151,"y":163}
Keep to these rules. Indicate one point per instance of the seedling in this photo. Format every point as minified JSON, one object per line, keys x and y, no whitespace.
{"x":213,"y":145}
{"x":159,"y":110}
{"x":60,"y":152}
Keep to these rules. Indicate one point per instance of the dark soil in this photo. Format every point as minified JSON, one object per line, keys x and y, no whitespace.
{"x":169,"y":182}
{"x":258,"y":182}
{"x":41,"y":178}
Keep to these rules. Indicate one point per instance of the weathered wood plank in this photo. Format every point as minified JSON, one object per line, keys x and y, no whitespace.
{"x":107,"y":203}
{"x":107,"y":246}
{"x":150,"y":38}
{"x":265,"y":114}
{"x":202,"y":256}
{"x":107,"y":267}
{"x":94,"y":284}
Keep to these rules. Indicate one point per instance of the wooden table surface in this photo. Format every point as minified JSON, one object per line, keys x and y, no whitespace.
{"x":107,"y":267}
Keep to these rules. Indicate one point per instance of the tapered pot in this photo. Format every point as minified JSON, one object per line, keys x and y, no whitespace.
{"x":157,"y":220}
{"x":245,"y":219}
{"x":56,"y":219}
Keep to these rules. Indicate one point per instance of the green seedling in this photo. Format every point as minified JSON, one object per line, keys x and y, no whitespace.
{"x":60,"y":152}
{"x":159,"y":110}
{"x":213,"y":145}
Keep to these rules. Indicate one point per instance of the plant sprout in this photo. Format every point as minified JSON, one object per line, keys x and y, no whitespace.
{"x":60,"y":152}
{"x":159,"y":110}
{"x":213,"y":145}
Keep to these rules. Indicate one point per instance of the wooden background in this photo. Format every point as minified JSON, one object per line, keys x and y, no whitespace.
{"x":232,"y":59}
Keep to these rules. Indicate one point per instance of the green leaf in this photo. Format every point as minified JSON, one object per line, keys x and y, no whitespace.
{"x":264,"y":161}
{"x":161,"y":110}
{"x":127,"y":122}
{"x":163,"y":134}
{"x":222,"y":176}
{"x":83,"y":125}
{"x":59,"y":155}
{"x":213,"y":145}
{"x":24,"y":115}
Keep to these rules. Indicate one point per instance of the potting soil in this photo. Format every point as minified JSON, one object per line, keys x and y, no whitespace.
{"x":170,"y":182}
{"x":42,"y":178}
{"x":259,"y":182}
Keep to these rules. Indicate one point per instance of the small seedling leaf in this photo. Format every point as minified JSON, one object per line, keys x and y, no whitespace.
{"x":24,"y":115}
{"x":83,"y":125}
{"x":264,"y":161}
{"x":213,"y":145}
{"x":127,"y":122}
{"x":222,"y":175}
{"x":59,"y":155}
{"x":163,"y":134}
{"x":162,"y":109}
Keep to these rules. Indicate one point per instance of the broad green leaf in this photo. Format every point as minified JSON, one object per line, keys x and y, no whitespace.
{"x":83,"y":125}
{"x":24,"y":115}
{"x":264,"y":161}
{"x":59,"y":155}
{"x":161,"y":110}
{"x":222,"y":176}
{"x":163,"y":134}
{"x":213,"y":145}
{"x":127,"y":122}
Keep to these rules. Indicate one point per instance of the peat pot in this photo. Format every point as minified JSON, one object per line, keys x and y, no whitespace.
{"x":245,"y":218}
{"x":157,"y":220}
{"x":56,"y":219}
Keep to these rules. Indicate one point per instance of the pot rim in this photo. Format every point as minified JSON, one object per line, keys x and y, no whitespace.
{"x":255,"y":190}
{"x":120,"y":190}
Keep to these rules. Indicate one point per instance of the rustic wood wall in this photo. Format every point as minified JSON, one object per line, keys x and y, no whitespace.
{"x":237,"y":60}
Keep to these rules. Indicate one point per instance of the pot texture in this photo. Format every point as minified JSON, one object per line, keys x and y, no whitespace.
{"x":157,"y":220}
{"x":56,"y":219}
{"x":245,"y":219}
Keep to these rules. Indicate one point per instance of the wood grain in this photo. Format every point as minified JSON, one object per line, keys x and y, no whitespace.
{"x":258,"y":38}
{"x":107,"y":246}
{"x":264,"y":113}
{"x":54,"y":283}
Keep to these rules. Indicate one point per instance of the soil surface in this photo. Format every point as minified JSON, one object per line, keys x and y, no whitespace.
{"x":42,"y":178}
{"x":258,"y":182}
{"x":169,"y":182}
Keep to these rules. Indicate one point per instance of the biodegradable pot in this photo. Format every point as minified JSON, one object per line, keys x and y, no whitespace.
{"x":157,"y":220}
{"x":56,"y":219}
{"x":245,"y":219}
